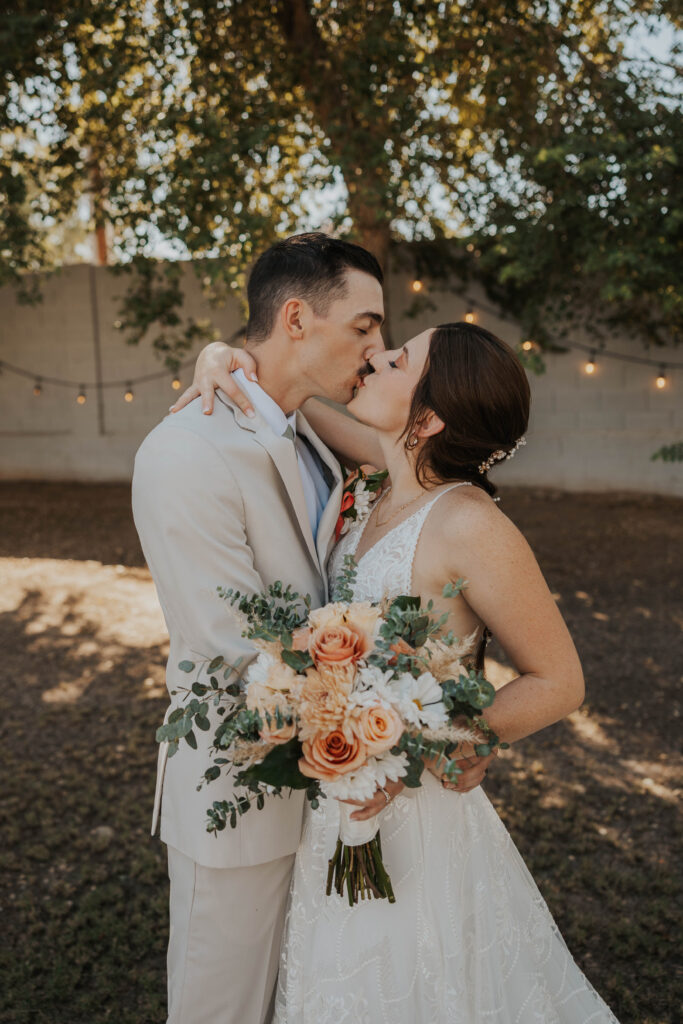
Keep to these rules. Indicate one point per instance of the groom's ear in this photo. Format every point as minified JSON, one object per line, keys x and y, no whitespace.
{"x":430,"y":425}
{"x":293,"y":318}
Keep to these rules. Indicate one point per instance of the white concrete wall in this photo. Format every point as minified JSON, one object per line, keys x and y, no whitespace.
{"x":592,"y":433}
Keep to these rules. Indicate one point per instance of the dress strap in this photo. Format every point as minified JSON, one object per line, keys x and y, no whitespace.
{"x":421,"y":518}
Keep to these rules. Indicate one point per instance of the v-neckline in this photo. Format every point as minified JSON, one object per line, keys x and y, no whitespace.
{"x":461,"y":483}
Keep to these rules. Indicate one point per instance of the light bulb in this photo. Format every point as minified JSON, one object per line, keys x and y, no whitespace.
{"x":417,"y":285}
{"x":129,"y":396}
{"x":661,"y":379}
{"x":470,"y":316}
{"x":37,"y":388}
{"x":175,"y":384}
{"x":80,"y":397}
{"x":527,"y":346}
{"x":589,"y":366}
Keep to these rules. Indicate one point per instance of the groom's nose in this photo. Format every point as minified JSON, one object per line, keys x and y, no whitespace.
{"x":375,"y":360}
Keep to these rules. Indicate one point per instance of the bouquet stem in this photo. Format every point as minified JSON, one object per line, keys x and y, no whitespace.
{"x":360,"y":870}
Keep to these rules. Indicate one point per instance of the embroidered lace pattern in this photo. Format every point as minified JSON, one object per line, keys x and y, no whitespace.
{"x":469,"y":940}
{"x":387,"y":568}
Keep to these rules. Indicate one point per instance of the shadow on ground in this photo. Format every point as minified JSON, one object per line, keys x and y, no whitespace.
{"x":591,"y":802}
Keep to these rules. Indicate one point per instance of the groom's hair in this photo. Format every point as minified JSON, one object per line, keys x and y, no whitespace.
{"x":311,"y":267}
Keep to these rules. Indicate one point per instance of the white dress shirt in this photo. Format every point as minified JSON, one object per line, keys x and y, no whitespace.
{"x":316,"y":490}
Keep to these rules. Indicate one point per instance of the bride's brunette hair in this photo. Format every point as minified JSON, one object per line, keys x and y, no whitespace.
{"x":474,"y":382}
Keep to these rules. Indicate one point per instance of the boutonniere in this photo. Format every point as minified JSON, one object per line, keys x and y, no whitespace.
{"x":361,"y":487}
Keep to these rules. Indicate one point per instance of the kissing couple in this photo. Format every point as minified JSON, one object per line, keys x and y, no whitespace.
{"x":240,"y":489}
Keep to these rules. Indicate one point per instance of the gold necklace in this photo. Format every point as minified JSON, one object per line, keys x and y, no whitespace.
{"x":398,"y":511}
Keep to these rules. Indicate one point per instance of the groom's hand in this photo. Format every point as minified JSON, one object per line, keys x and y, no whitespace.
{"x":213,"y":369}
{"x":377,"y":803}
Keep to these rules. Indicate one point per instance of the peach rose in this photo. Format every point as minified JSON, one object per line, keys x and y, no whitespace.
{"x":378,"y":727}
{"x":328,"y":756}
{"x":338,"y":645}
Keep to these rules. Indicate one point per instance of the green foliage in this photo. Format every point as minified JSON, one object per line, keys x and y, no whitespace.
{"x":347,"y":579}
{"x":272,"y":615}
{"x":514,"y":144}
{"x":407,"y":619}
{"x":279,"y":768}
{"x":454,"y":589}
{"x":670,"y":453}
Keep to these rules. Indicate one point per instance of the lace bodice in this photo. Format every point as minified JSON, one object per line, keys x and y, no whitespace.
{"x":386,"y":569}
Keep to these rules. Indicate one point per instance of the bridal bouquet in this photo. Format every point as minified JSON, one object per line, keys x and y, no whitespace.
{"x":338,"y":701}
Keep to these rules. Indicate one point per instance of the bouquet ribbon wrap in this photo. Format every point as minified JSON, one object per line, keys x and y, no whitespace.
{"x":356,"y":833}
{"x":355,"y":868}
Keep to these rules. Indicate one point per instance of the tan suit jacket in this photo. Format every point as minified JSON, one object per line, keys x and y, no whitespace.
{"x":218,"y":501}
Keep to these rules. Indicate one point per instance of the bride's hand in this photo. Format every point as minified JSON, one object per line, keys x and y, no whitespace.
{"x":213,"y":369}
{"x":474,"y":769}
{"x":369,"y":808}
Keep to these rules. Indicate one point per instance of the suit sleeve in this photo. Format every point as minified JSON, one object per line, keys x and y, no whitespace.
{"x":189,"y":514}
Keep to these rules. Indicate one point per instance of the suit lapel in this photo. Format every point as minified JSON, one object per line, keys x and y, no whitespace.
{"x":328,"y":519}
{"x":283,"y":454}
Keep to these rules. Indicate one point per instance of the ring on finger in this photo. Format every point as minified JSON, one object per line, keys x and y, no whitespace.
{"x":386,"y":795}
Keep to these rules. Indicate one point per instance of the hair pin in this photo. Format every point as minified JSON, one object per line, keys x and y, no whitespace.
{"x":499,"y":455}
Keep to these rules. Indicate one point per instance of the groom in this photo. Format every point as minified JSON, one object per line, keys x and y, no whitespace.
{"x":242,"y":501}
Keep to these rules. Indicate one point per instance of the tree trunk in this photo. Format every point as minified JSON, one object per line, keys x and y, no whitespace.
{"x":377,"y":239}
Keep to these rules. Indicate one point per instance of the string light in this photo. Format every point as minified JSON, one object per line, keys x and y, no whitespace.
{"x":661,"y":382}
{"x":417,"y":285}
{"x":470,"y":316}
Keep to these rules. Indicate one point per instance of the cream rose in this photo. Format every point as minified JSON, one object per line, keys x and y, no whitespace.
{"x":272,"y":734}
{"x":361,"y":616}
{"x":259,"y":697}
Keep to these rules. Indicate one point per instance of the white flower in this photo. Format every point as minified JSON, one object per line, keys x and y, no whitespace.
{"x":371,"y":677}
{"x":419,"y":701}
{"x":271,"y":672}
{"x":361,"y":784}
{"x":260,"y":669}
{"x":362,"y":499}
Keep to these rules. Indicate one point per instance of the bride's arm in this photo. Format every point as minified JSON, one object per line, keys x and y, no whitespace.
{"x":507,"y":591}
{"x":350,"y":440}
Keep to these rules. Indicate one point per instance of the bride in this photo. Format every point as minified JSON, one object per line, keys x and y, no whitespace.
{"x":470,"y":939}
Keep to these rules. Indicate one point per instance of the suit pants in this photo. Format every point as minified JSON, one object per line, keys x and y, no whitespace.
{"x":224,"y":944}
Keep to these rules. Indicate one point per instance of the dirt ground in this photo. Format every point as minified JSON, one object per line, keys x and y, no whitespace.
{"x":591,"y":802}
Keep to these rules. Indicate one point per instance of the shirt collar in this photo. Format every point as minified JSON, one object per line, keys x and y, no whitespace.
{"x":265,"y":405}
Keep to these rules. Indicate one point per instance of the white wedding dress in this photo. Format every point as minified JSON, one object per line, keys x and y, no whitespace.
{"x":469,"y":939}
